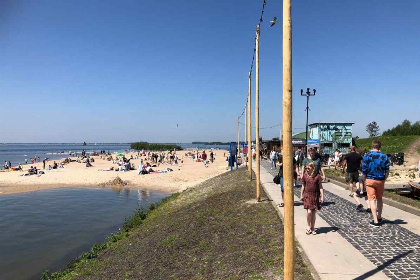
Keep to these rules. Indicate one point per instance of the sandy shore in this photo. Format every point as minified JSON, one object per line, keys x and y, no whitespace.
{"x":184,"y":175}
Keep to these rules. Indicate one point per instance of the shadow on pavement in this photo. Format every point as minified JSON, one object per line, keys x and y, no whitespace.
{"x":382,"y":266}
{"x":322,"y":230}
{"x":327,"y":203}
{"x":395,"y":222}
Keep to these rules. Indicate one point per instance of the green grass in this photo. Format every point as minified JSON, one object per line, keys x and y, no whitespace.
{"x":397,"y":196}
{"x":390,"y":144}
{"x":213,"y":231}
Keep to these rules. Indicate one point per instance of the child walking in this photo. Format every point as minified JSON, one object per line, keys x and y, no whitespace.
{"x":310,"y":194}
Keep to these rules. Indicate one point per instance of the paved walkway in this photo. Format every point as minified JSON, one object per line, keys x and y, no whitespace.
{"x":346,"y":246}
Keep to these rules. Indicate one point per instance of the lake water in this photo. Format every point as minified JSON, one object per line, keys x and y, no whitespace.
{"x":17,"y":153}
{"x":47,"y":229}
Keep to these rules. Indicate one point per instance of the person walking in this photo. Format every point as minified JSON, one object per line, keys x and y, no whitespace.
{"x":316,"y":160}
{"x":299,"y":156}
{"x":280,"y":174}
{"x":273,"y":158}
{"x":353,"y":161}
{"x":375,"y":169}
{"x":204,"y":158}
{"x":337,"y":156}
{"x":312,"y":195}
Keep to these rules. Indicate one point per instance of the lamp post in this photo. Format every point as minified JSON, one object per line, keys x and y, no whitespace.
{"x":307,"y":94}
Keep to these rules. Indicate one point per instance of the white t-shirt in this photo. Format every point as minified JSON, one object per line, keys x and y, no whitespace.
{"x":336,"y":158}
{"x":273,"y":155}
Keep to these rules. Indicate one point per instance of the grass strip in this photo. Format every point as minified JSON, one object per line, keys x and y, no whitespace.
{"x":393,"y":194}
{"x":212,"y":231}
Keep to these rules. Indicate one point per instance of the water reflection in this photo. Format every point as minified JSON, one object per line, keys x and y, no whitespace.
{"x":46,"y":229}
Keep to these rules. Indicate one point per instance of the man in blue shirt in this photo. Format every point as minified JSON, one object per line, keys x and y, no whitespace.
{"x":375,"y":169}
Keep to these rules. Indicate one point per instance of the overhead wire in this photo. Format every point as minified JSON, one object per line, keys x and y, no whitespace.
{"x":267,"y":127}
{"x":255,"y":48}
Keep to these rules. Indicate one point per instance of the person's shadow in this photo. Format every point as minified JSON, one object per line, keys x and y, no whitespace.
{"x":327,"y":203}
{"x":395,"y":222}
{"x":324,"y":230}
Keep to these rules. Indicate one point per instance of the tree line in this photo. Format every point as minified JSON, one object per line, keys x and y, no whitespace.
{"x":154,"y":147}
{"x":404,"y":129}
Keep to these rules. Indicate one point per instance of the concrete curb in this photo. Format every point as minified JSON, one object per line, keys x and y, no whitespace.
{"x":305,"y":258}
{"x":388,"y":201}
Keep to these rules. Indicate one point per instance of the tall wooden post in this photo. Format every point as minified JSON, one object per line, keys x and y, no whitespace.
{"x":257,"y":108}
{"x":238,"y":148}
{"x":249,"y":129}
{"x":289,"y":230}
{"x":245,"y":126}
{"x":245,"y":132}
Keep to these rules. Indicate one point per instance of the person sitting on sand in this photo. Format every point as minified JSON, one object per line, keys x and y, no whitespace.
{"x":149,"y":168}
{"x":33,"y":170}
{"x":107,"y":169}
{"x":55,"y":165}
{"x":88,"y":164}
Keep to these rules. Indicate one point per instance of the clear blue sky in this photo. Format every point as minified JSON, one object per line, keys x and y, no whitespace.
{"x":119,"y":71}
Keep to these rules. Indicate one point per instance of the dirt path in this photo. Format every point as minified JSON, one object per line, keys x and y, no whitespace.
{"x":412,"y":157}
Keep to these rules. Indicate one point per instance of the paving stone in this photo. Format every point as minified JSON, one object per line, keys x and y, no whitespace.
{"x":392,"y":248}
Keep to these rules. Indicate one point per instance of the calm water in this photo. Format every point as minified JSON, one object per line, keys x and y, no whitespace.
{"x":46,"y":229}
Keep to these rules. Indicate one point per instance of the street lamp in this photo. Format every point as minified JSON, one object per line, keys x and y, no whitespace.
{"x":307,"y":94}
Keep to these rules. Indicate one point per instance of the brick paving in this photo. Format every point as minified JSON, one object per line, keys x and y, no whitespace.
{"x":392,"y":248}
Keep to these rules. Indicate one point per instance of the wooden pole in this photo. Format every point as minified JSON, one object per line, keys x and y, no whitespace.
{"x":289,"y":253}
{"x":238,"y":148}
{"x":245,"y":132}
{"x":245,"y":128}
{"x":249,"y":129}
{"x":257,"y":108}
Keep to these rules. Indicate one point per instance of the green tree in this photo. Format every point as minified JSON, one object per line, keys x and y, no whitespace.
{"x":404,"y":129}
{"x":373,"y":129}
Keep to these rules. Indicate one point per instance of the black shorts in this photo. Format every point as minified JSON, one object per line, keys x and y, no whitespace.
{"x":352,"y":177}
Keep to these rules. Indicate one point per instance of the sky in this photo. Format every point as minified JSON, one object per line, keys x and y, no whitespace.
{"x":177,"y":71}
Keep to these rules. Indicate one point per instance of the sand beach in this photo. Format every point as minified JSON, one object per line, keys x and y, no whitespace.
{"x":186,"y":174}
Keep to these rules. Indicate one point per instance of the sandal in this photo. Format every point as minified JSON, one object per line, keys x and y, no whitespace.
{"x":351,"y":195}
{"x":308,"y":231}
{"x":281,"y":204}
{"x":314,"y":232}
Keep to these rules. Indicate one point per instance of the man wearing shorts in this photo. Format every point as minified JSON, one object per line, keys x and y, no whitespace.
{"x":375,"y":169}
{"x":353,"y":161}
